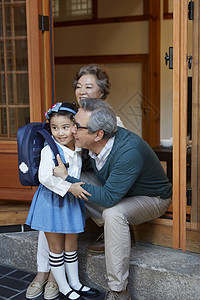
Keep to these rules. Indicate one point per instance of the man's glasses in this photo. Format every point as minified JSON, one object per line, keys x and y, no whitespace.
{"x":77,"y":126}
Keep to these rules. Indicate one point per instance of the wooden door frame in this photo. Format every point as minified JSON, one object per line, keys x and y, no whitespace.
{"x":38,"y":98}
{"x":154,"y":73}
{"x":39,"y":60}
{"x":48,"y":52}
{"x":180,"y":71}
{"x":35,"y":68}
{"x":8,"y":149}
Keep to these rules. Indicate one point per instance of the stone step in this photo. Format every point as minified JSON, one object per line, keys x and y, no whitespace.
{"x":155,"y":272}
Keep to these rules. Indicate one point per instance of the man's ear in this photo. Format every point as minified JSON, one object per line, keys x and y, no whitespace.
{"x":99,"y":135}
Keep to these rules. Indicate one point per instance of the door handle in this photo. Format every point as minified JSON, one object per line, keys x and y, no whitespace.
{"x":189,"y":58}
{"x":169,"y":58}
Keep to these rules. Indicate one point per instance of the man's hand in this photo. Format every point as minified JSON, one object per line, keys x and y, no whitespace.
{"x":60,"y":170}
{"x":78,"y":191}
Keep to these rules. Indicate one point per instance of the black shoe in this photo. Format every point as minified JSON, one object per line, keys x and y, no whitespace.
{"x":66,"y":297}
{"x":90,"y":293}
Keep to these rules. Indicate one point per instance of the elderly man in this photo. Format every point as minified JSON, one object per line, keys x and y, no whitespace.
{"x":134,"y":188}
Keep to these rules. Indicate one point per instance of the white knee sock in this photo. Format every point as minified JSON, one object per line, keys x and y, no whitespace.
{"x":56,"y":262}
{"x":71,"y":266}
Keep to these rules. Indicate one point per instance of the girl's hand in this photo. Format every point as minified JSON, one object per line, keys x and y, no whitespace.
{"x":60,"y":170}
{"x":78,"y":191}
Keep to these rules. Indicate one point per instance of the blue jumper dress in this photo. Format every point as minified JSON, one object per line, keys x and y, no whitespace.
{"x":45,"y":213}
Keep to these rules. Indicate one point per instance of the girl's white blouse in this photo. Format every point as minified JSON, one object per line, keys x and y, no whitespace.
{"x":45,"y":172}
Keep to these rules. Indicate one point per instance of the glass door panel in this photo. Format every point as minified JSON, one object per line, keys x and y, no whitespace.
{"x":190,"y":180}
{"x":165,"y":154}
{"x":193,"y":119}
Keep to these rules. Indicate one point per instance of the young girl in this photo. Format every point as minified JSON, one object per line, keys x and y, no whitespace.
{"x":58,"y":213}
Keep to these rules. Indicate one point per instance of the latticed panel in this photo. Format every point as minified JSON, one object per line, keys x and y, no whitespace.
{"x":14,"y":90}
{"x":66,"y":10}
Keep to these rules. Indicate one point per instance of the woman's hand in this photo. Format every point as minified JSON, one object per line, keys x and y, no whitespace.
{"x":60,"y":170}
{"x":78,"y":191}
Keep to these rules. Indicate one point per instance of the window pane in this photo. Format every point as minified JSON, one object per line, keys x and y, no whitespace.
{"x":1,"y":23}
{"x":19,"y":84}
{"x":18,"y":117}
{"x":2,"y":89}
{"x":3,"y":124}
{"x":2,"y":62}
{"x":8,"y":21}
{"x":9,"y":55}
{"x":17,"y":58}
{"x":14,"y":85}
{"x":20,"y":20}
{"x":21,"y":55}
{"x":66,"y":10}
{"x":22,"y":89}
{"x":10,"y":89}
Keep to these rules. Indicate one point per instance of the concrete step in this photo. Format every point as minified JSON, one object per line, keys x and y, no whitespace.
{"x":155,"y":272}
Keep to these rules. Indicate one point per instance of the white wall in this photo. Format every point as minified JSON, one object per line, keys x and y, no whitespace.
{"x":102,"y":39}
{"x":166,"y":112}
{"x":166,"y":87}
{"x":117,"y":38}
{"x":108,"y":39}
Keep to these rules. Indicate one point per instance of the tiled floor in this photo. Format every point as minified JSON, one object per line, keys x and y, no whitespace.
{"x":14,"y":282}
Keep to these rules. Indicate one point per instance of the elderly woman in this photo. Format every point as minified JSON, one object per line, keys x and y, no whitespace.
{"x":91,"y":81}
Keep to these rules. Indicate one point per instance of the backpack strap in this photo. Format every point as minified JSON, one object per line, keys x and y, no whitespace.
{"x":46,"y":135}
{"x":50,"y":142}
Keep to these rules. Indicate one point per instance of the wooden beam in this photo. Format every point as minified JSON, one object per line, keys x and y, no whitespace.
{"x":166,"y":13}
{"x":33,"y":9}
{"x":154,"y":72}
{"x":176,"y":125}
{"x":98,"y":59}
{"x":102,"y":21}
{"x":49,"y":84}
{"x":13,"y":213}
{"x":183,"y":121}
{"x":179,"y":122}
{"x":198,"y":158}
{"x":195,"y":117}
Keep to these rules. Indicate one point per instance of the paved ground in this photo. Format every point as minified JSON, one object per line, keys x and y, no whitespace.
{"x":14,"y":282}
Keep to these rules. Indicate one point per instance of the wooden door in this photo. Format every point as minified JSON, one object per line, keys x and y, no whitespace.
{"x":23,"y":96}
{"x":182,"y":232}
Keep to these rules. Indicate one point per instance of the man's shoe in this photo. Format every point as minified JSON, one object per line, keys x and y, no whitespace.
{"x":51,"y":290}
{"x":123,"y":295}
{"x":98,"y":247}
{"x":89,"y":294}
{"x":34,"y":290}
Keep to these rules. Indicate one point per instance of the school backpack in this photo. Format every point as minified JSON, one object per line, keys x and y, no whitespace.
{"x":30,"y":141}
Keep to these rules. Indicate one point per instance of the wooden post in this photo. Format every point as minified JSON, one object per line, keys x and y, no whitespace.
{"x":180,"y":70}
{"x":47,"y":58}
{"x":154,"y":73}
{"x":35,"y":69}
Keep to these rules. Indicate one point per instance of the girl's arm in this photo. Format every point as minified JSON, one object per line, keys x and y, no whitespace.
{"x":45,"y":173}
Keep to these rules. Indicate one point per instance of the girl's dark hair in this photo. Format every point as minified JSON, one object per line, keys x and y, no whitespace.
{"x":101,"y":77}
{"x":64,"y":112}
